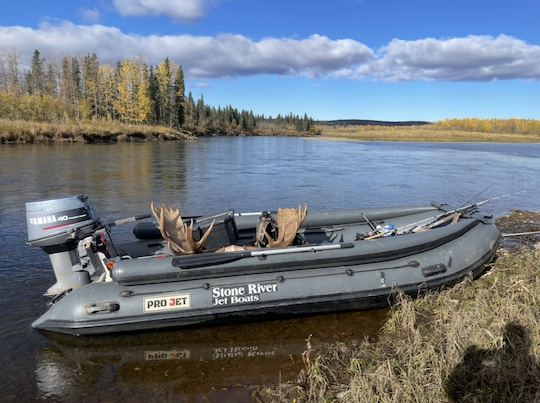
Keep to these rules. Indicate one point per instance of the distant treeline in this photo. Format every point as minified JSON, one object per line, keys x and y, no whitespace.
{"x":472,"y":125}
{"x":78,"y":89}
{"x":363,"y":122}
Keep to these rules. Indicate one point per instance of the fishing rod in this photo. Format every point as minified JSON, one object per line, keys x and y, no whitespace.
{"x":371,"y":225}
{"x":481,"y":193}
{"x":470,"y":207}
{"x":128,"y":220}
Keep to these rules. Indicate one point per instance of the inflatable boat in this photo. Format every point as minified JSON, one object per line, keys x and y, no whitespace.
{"x":339,"y":260}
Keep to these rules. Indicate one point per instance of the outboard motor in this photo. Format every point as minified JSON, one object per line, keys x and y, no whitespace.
{"x":57,"y":226}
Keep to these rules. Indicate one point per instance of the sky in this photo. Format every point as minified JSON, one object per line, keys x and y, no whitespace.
{"x":340,"y":59}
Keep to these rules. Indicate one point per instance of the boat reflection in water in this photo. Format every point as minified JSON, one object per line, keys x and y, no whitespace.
{"x":223,"y":362}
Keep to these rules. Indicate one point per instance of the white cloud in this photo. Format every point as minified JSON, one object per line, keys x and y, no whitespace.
{"x":471,"y":58}
{"x":90,"y":15}
{"x":201,"y":56}
{"x":180,"y":10}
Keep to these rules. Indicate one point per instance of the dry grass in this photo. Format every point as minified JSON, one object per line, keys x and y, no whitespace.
{"x":522,"y":126}
{"x":18,"y":131}
{"x":479,"y":341}
{"x":432,"y":132}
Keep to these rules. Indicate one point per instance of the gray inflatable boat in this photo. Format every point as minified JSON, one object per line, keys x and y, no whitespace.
{"x":105,"y":288}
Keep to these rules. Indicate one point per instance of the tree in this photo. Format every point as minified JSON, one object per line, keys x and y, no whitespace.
{"x":35,"y":79}
{"x":10,"y":73}
{"x":190,"y":111}
{"x":91,"y":83}
{"x":153,"y":93}
{"x":133,"y":102}
{"x":163,"y":75}
{"x":108,"y":91}
{"x":200,"y":113}
{"x":75,"y":78}
{"x":76,"y":89}
{"x":180,"y":97}
{"x":65,"y":82}
{"x":51,"y":86}
{"x":144,"y":102}
{"x":127,"y":95}
{"x":305,"y":123}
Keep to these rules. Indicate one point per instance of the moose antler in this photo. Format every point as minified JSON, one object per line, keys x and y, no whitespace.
{"x":179,"y":235}
{"x":288,"y":222}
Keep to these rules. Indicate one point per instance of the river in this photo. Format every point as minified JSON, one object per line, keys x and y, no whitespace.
{"x":206,"y":176}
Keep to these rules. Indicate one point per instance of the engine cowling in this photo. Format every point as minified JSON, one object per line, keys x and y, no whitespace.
{"x":57,"y":226}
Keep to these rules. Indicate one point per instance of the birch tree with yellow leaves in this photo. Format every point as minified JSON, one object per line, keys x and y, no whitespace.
{"x":133,"y":103}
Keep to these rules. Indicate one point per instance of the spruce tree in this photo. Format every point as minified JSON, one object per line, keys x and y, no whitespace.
{"x":153,"y":92}
{"x":190,"y":111}
{"x":180,"y":97}
{"x":36,"y":75}
{"x":75,"y":79}
{"x":91,"y":85}
{"x":305,"y":123}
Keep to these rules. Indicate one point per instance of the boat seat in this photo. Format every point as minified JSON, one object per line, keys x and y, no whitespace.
{"x":224,"y":231}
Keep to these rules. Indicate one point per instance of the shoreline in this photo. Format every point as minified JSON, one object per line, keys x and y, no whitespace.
{"x":440,"y":132}
{"x":86,"y":132}
{"x":111,"y":132}
{"x":427,"y":136}
{"x":475,"y":341}
{"x":448,"y":141}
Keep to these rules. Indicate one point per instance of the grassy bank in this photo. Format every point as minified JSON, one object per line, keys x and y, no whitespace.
{"x":100,"y":131}
{"x":479,"y":341}
{"x":103,"y":131}
{"x":436,"y":132}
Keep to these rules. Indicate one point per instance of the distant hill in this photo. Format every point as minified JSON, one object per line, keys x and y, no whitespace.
{"x":361,"y":122}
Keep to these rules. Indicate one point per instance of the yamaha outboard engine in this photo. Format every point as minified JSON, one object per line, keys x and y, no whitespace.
{"x":57,"y":226}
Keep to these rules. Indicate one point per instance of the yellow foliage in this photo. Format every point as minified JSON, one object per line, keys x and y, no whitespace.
{"x":133,"y":103}
{"x":510,"y":126}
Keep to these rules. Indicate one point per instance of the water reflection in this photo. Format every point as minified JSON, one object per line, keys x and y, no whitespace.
{"x":207,"y":176}
{"x":191,"y":363}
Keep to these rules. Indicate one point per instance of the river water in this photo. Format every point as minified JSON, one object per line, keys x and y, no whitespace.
{"x":207,"y":176}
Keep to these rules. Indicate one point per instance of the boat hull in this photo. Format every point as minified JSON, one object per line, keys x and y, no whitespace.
{"x":364,"y":276}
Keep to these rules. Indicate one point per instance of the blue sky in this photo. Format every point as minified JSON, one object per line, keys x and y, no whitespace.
{"x":365,"y":59}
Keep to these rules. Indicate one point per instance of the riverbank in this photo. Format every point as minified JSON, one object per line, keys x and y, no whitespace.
{"x":106,"y":131}
{"x":425,"y":133}
{"x":99,"y":131}
{"x":103,"y":131}
{"x":479,"y":341}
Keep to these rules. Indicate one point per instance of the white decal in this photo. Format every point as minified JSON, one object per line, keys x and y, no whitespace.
{"x":76,"y":216}
{"x":42,"y":220}
{"x":167,"y":302}
{"x":242,"y":294}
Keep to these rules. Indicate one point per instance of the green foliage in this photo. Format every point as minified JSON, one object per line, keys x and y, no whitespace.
{"x":35,"y":78}
{"x":180,"y":100}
